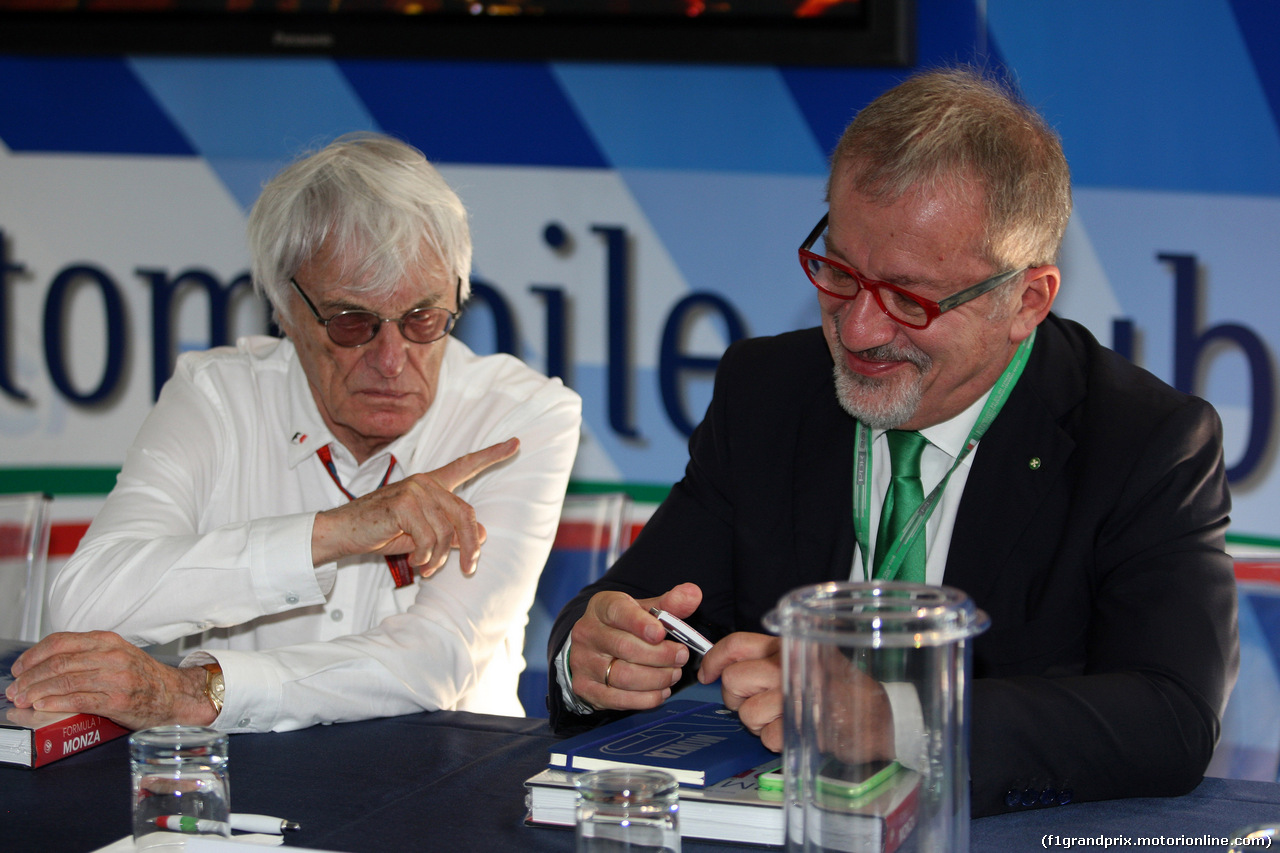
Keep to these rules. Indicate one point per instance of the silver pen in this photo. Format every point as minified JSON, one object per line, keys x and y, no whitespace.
{"x":681,"y":630}
{"x":262,"y":823}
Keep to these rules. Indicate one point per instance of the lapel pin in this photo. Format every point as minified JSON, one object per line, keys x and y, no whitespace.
{"x":1034,"y":463}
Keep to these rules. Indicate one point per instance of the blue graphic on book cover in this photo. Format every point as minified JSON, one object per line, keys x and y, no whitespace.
{"x":699,"y":743}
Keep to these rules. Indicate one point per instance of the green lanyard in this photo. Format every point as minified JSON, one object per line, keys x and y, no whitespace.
{"x":915,"y":526}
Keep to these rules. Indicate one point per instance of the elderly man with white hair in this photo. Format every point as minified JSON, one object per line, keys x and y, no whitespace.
{"x":288,"y":504}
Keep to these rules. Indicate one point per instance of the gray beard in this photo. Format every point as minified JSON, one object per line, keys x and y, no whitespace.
{"x":878,"y":404}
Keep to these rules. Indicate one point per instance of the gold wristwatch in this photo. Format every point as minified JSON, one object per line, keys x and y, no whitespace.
{"x":215,"y":687}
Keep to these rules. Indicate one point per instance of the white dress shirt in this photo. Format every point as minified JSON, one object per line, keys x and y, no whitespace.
{"x":207,"y":537}
{"x":946,"y":440}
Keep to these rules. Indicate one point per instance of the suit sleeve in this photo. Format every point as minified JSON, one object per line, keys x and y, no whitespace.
{"x":688,"y":539}
{"x":1142,"y":715}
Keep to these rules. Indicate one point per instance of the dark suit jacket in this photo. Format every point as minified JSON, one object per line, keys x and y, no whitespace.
{"x":1113,"y":642}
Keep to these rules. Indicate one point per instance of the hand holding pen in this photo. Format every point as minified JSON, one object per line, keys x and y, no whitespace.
{"x":621,"y":656}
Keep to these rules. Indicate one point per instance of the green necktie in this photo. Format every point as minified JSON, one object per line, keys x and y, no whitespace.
{"x":901,"y":501}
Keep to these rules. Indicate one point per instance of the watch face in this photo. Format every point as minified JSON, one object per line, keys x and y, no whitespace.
{"x":215,"y":687}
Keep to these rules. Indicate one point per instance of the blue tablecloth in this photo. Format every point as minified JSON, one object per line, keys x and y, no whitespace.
{"x":453,"y":782}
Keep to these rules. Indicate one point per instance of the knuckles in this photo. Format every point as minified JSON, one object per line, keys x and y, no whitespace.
{"x":582,"y":634}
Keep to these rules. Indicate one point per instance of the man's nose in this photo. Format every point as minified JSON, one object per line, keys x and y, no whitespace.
{"x":388,"y":352}
{"x":862,"y":322}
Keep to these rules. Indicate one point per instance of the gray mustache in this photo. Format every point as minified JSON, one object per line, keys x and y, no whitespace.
{"x":889,"y":352}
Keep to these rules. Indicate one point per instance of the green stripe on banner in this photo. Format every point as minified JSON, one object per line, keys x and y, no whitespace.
{"x":58,"y":481}
{"x":99,"y":481}
{"x":1245,"y":539}
{"x":645,"y":493}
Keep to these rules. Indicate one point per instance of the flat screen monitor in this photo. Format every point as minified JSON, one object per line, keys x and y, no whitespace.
{"x":779,"y":32}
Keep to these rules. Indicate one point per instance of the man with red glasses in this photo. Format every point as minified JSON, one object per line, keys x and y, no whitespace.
{"x":1080,"y":502}
{"x":288,"y":505}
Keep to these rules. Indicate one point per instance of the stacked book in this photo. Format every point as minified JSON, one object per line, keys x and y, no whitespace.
{"x":736,"y":809}
{"x":730,"y":785}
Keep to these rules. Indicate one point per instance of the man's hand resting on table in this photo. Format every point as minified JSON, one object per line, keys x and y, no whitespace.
{"x":101,"y":673}
{"x":419,"y":516}
{"x":619,"y":653}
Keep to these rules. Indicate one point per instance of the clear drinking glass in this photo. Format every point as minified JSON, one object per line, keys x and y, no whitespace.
{"x":180,"y":785}
{"x":627,"y":809}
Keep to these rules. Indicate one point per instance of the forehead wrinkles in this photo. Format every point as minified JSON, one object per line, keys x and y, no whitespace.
{"x":918,"y":238}
{"x":895,"y":274}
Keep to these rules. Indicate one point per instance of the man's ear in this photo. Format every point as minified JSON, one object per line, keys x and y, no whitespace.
{"x":278,"y":326}
{"x":1039,"y":290}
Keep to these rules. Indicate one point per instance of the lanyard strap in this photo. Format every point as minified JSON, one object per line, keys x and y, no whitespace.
{"x":398,"y":564}
{"x":915,"y":525}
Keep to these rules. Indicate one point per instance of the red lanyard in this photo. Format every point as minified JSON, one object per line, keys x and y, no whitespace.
{"x":401,"y":571}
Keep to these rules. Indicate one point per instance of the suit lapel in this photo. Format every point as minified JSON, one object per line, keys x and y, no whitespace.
{"x":1019,"y":460}
{"x":823,"y":496}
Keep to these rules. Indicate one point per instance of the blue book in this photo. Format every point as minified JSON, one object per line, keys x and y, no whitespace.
{"x":699,"y":743}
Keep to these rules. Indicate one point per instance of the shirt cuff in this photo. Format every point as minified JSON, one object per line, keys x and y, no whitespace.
{"x":280,"y":563}
{"x":571,"y":700}
{"x":909,"y":741}
{"x":253,"y":689}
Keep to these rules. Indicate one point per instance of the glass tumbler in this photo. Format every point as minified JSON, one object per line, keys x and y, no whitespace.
{"x":180,"y":785}
{"x":627,"y":809}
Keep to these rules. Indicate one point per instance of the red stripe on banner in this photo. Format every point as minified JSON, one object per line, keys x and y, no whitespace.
{"x":580,"y":536}
{"x":1267,"y":571}
{"x":13,"y":540}
{"x":577,"y":535}
{"x":584,"y":536}
{"x":65,"y":536}
{"x":572,"y":535}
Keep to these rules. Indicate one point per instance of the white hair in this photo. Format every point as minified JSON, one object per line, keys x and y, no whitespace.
{"x":368,"y":200}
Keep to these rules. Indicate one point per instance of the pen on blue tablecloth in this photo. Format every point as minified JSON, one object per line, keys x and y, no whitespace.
{"x":242,"y":822}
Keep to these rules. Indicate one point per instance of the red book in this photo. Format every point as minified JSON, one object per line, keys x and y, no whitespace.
{"x":31,"y":738}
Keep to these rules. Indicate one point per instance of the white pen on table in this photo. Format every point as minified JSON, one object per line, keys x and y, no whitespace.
{"x":682,"y":631}
{"x":263,"y":823}
{"x":242,"y":822}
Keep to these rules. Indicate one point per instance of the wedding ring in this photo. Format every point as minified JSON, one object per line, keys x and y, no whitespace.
{"x":608,"y":669}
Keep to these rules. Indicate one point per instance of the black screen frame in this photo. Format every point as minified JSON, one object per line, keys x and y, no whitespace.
{"x":884,"y":36}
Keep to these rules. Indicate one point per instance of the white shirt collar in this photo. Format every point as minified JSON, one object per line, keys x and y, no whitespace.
{"x":950,"y":435}
{"x":306,"y":431}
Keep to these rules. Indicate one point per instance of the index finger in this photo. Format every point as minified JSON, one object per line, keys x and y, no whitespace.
{"x":467,"y":466}
{"x":631,"y":616}
{"x":733,"y":649}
